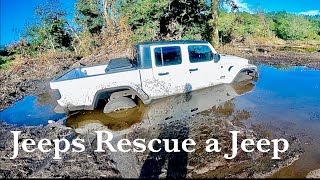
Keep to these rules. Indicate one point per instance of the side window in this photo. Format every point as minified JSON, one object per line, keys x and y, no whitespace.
{"x":200,"y":53}
{"x":166,"y":56}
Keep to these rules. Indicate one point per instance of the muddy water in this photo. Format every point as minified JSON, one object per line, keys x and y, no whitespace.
{"x":287,"y":101}
{"x":284,"y":101}
{"x":32,"y":111}
{"x":116,"y":121}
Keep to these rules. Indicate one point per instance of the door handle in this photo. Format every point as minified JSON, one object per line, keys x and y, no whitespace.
{"x":163,"y":74}
{"x":196,"y":69}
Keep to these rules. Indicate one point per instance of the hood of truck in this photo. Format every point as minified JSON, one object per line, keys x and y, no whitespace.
{"x":229,"y":59}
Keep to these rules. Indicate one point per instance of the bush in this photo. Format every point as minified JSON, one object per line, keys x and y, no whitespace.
{"x":293,"y":27}
{"x":239,"y":27}
{"x":243,"y":26}
{"x":167,"y":20}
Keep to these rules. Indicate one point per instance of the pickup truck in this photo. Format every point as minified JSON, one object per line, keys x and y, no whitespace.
{"x":160,"y":69}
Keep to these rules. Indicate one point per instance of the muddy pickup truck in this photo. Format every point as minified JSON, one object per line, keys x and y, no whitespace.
{"x":160,"y":69}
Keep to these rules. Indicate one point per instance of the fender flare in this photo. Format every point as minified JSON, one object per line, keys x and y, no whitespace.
{"x":138,"y":91}
{"x":252,"y":68}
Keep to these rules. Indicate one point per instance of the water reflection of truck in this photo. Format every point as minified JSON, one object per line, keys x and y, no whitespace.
{"x":162,"y":110}
{"x":160,"y":69}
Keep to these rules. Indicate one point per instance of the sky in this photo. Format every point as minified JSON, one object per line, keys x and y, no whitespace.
{"x":14,"y":14}
{"x":307,"y":7}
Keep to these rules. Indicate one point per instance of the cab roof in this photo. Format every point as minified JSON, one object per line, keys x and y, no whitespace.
{"x":152,"y":43}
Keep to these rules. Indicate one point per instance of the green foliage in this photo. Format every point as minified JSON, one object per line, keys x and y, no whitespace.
{"x":144,"y":17}
{"x":89,"y":16}
{"x":226,"y":26}
{"x":155,"y":20}
{"x":242,"y":25}
{"x":316,"y":22}
{"x":49,"y":29}
{"x":159,"y":20}
{"x":249,"y":24}
{"x":239,"y":26}
{"x":5,"y":57}
{"x":293,"y":27}
{"x":4,"y":60}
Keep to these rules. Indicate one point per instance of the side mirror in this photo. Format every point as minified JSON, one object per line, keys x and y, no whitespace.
{"x":216,"y":58}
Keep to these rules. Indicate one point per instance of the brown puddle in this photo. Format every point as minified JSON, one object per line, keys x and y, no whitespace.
{"x":115,"y":121}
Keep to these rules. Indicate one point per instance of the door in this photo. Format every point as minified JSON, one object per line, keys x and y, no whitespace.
{"x":169,"y":70}
{"x":203,"y":71}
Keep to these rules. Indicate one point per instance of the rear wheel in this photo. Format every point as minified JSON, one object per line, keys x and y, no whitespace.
{"x":120,"y":103}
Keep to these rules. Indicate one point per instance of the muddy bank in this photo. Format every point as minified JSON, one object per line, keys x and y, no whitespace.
{"x":133,"y":165}
{"x":276,"y":57}
{"x":285,"y":59}
{"x":41,"y":165}
{"x":30,"y":77}
{"x":201,"y":164}
{"x":147,"y":164}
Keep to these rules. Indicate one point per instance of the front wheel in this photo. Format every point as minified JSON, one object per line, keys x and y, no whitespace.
{"x":120,"y":103}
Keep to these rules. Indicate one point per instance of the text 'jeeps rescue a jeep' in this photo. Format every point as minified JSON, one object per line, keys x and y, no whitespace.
{"x":160,"y":69}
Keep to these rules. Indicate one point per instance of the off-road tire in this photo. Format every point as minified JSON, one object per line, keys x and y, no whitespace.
{"x":120,"y":103}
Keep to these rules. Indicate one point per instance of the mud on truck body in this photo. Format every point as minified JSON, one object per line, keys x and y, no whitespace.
{"x":160,"y":69}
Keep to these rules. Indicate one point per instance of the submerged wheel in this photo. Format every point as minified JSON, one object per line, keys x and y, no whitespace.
{"x":120,"y":103}
{"x":246,"y":75}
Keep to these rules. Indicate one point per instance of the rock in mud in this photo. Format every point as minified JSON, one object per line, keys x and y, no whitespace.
{"x":314,"y":174}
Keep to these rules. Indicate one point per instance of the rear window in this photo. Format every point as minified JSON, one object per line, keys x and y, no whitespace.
{"x":166,"y":56}
{"x":200,"y":53}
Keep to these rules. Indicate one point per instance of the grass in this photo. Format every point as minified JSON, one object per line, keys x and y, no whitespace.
{"x":5,"y":61}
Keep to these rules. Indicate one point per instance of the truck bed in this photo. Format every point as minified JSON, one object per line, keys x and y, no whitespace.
{"x":114,"y":66}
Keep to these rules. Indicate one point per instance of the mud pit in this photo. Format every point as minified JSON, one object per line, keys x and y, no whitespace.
{"x":41,"y":165}
{"x":282,"y":104}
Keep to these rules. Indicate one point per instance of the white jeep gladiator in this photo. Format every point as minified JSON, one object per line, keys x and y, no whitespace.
{"x":160,"y":69}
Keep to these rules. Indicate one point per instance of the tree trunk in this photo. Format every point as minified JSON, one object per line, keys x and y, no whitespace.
{"x":109,"y":15}
{"x":106,"y":15}
{"x":215,"y":33}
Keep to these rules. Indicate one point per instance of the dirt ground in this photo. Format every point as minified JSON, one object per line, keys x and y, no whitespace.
{"x":276,"y":57}
{"x":202,"y":164}
{"x":30,"y":77}
{"x":41,"y":165}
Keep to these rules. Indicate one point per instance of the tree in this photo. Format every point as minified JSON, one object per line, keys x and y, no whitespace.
{"x":110,"y":14}
{"x":288,"y":26}
{"x":48,"y":31}
{"x":215,"y":4}
{"x":89,"y":15}
{"x":168,"y":19}
{"x":215,"y":32}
